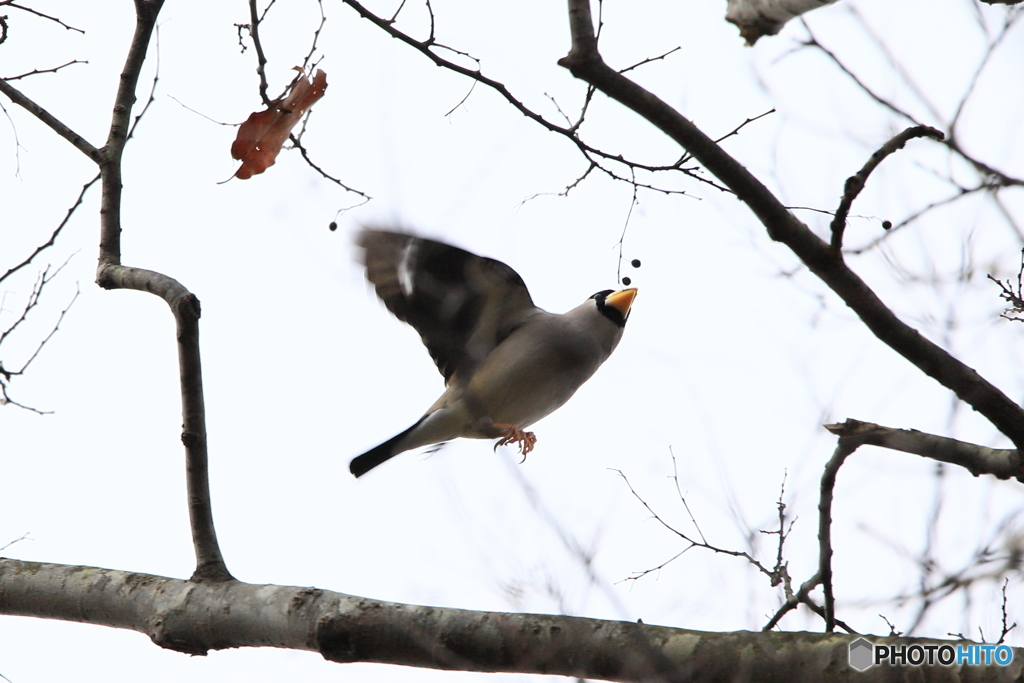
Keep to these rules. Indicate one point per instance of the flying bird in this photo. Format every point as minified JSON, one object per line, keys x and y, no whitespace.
{"x":506,"y":363}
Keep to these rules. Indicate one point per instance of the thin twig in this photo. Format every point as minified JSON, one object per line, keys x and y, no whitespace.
{"x":152,"y":90}
{"x":56,"y":326}
{"x":326,"y":176}
{"x":52,"y":70}
{"x":736,"y":130}
{"x":625,"y":226}
{"x":1006,"y":628}
{"x":44,"y":16}
{"x":199,"y":113}
{"x":855,"y":183}
{"x":828,"y":482}
{"x":23,"y":537}
{"x":261,"y":59}
{"x":17,"y":142}
{"x":316,"y":36}
{"x":37,"y":290}
{"x":1015,"y":299}
{"x":53,"y":236}
{"x":692,"y":542}
{"x":42,"y":280}
{"x":651,"y":59}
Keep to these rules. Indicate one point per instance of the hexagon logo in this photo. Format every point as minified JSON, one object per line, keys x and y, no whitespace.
{"x":861,"y":654}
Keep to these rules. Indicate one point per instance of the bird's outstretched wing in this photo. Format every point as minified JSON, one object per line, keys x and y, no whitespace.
{"x":462,"y":305}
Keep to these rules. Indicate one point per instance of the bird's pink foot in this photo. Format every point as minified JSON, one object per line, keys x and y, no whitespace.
{"x":514,"y":434}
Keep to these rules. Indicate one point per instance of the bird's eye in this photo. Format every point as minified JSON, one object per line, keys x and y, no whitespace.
{"x":600,"y":296}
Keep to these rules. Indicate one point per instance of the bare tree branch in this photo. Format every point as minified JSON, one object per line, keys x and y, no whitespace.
{"x":50,"y":120}
{"x":23,"y":537}
{"x":592,"y":154}
{"x":210,"y":565}
{"x":196,"y":618}
{"x":305,"y":155}
{"x":10,"y":3}
{"x":184,"y":305}
{"x":51,"y":70}
{"x":993,"y":176}
{"x":586,"y":64}
{"x":53,"y":236}
{"x":999,"y":462}
{"x":853,"y":434}
{"x":1015,"y":299}
{"x":828,"y":483}
{"x":6,"y":374}
{"x":855,"y":183}
{"x":261,"y":59}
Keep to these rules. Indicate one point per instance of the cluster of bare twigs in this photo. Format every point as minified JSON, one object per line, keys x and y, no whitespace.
{"x":990,"y":179}
{"x":309,"y":63}
{"x":778,"y":574}
{"x":33,"y":299}
{"x":6,"y":374}
{"x":993,"y":560}
{"x":613,"y":165}
{"x":1014,"y":297}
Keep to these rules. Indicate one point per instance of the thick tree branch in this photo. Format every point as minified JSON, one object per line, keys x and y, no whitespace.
{"x":146,"y":12}
{"x":586,"y":64}
{"x":195,"y":618}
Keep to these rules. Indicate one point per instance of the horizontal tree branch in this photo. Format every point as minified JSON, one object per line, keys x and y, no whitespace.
{"x":197,"y":617}
{"x":1004,"y":463}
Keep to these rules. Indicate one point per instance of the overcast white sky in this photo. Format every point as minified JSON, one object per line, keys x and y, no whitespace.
{"x":726,"y":362}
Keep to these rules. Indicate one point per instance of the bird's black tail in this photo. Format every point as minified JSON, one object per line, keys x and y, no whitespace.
{"x":361,"y":464}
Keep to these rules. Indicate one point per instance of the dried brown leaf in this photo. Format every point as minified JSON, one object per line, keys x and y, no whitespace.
{"x":260,"y":138}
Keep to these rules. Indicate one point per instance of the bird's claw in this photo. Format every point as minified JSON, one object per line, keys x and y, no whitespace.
{"x":514,"y":434}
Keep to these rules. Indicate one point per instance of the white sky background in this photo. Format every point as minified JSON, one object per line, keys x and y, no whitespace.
{"x":725,"y":362}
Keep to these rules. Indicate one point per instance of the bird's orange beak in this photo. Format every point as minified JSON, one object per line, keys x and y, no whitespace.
{"x":621,"y":301}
